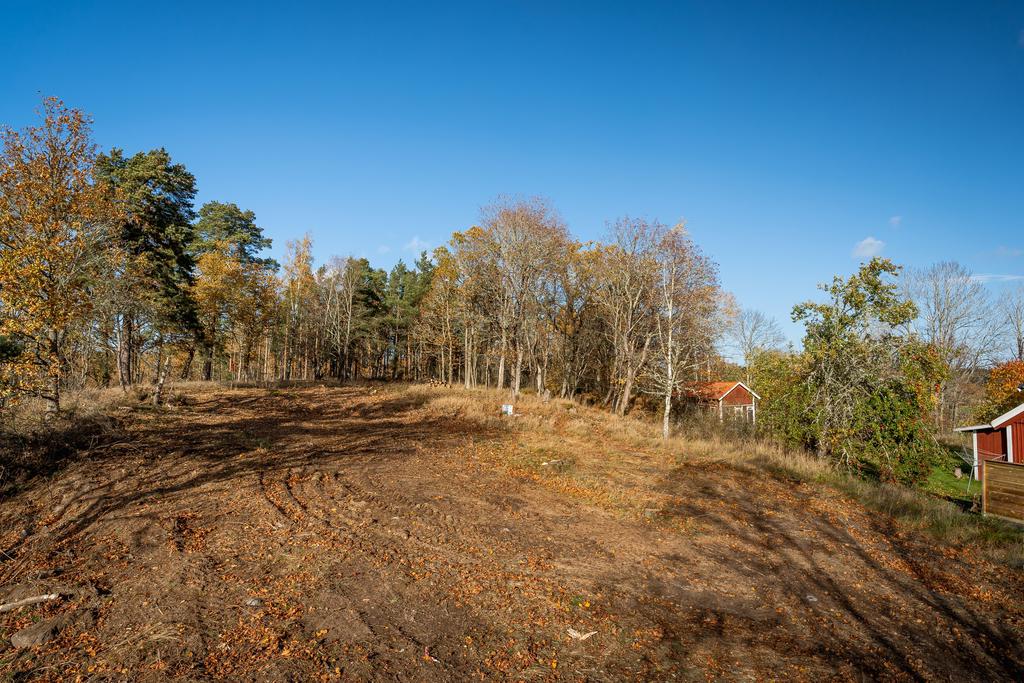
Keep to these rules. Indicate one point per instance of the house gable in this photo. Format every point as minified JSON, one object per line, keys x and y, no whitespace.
{"x":739,"y":395}
{"x":1010,"y":417}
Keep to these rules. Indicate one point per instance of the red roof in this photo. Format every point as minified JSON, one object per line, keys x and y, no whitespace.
{"x":711,"y":390}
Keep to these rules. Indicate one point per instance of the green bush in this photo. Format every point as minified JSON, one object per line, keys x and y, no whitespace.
{"x":860,"y":392}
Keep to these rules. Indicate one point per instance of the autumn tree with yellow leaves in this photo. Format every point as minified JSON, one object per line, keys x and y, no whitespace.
{"x":440,"y":312}
{"x":106,"y":272}
{"x":1004,"y":389}
{"x":55,"y":222}
{"x":302,"y":335}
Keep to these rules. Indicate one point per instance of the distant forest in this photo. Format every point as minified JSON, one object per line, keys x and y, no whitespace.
{"x":109,"y":275}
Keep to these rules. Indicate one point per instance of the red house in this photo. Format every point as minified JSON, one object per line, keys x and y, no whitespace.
{"x":1001,"y":439}
{"x":729,"y":399}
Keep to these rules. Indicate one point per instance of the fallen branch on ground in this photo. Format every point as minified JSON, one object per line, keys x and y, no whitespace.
{"x":576,"y":635}
{"x":28,"y":601}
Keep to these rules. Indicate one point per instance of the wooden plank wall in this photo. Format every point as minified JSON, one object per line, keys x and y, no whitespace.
{"x":992,"y":442}
{"x":738,"y":397}
{"x":1002,"y":490}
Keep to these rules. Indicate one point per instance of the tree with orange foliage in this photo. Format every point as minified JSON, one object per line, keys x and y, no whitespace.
{"x":439,"y":313}
{"x":216,"y":287}
{"x":302,"y":340}
{"x":477,"y":295}
{"x":576,"y":321}
{"x":55,"y":219}
{"x":1002,"y":390}
{"x":520,"y":235}
{"x":236,"y":300}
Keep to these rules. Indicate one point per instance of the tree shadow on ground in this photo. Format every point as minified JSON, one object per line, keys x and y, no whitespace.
{"x":878,"y":620}
{"x":26,"y":459}
{"x":217,"y":441}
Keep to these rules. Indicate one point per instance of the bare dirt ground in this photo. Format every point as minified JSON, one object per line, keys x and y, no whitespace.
{"x":354,"y":533}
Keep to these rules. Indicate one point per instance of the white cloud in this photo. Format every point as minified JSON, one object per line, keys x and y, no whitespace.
{"x":895,"y":221}
{"x":1008,"y":252}
{"x":996,"y":277}
{"x":383,"y":249}
{"x":416,"y":245}
{"x":868,"y":247}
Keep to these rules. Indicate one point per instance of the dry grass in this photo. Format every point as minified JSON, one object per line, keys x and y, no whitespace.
{"x":592,"y":454}
{"x":581,"y":451}
{"x":408,"y":532}
{"x":33,"y":445}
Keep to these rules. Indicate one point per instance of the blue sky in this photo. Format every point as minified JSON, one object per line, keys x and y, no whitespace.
{"x":786,"y":134}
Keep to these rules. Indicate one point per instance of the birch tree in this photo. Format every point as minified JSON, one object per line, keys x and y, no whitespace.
{"x":1012,"y":306}
{"x":440,"y":312}
{"x":575,"y":319}
{"x":341,"y":283}
{"x":628,"y":299}
{"x":954,"y":315}
{"x":751,"y":331}
{"x":687,"y":294}
{"x":521,"y":234}
{"x":299,"y":318}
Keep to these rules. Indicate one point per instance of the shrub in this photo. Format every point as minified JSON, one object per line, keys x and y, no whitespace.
{"x":859,"y":394}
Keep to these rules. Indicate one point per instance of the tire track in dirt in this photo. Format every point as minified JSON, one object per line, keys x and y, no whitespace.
{"x":422,"y":535}
{"x":389,"y":540}
{"x":315,"y":497}
{"x":394,"y":522}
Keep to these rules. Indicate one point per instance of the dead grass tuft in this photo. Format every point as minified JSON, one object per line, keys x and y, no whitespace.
{"x":33,"y":446}
{"x":596,"y":455}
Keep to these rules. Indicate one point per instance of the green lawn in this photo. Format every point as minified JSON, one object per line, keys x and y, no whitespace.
{"x":942,"y":483}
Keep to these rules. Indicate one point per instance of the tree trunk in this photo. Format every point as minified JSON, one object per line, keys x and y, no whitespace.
{"x":348,"y":339}
{"x":665,"y":417}
{"x":186,"y":370}
{"x":121,"y":379}
{"x":158,"y":395}
{"x":286,"y":361}
{"x":627,"y":390}
{"x":465,"y":356}
{"x":129,"y":347}
{"x":501,"y":360}
{"x":52,"y":399}
{"x":631,"y":372}
{"x":518,"y":371}
{"x":243,"y":363}
{"x":265,"y":372}
{"x":609,"y":397}
{"x":208,"y":364}
{"x":451,"y":358}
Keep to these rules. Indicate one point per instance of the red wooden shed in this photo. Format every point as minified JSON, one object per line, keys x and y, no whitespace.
{"x":729,"y":399}
{"x":1001,"y":439}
